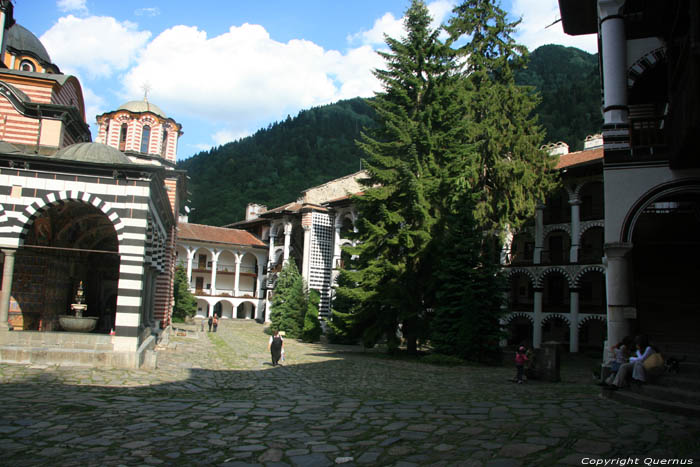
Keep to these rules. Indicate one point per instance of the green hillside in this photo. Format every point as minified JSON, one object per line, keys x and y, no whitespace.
{"x":275,"y":164}
{"x":569,"y":84}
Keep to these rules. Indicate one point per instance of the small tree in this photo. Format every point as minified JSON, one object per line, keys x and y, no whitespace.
{"x":185,"y":302}
{"x":312,"y":326}
{"x":288,"y":305}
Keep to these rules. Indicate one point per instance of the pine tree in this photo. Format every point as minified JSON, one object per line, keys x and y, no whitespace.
{"x":409,"y":159}
{"x":469,"y":293}
{"x":312,"y":326}
{"x":185,"y":303}
{"x":288,"y":304}
{"x":509,"y":173}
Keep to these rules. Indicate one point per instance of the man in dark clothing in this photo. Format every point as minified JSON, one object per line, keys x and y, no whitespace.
{"x":211,"y":321}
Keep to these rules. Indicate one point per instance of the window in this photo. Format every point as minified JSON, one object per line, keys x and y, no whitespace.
{"x":164,"y":145}
{"x":122,"y":136}
{"x":26,"y":65}
{"x":145,"y":138}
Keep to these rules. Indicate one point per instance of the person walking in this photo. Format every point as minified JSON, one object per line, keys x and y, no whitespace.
{"x":211,"y":320}
{"x":520,"y":359}
{"x":215,"y":322}
{"x":275,"y":345}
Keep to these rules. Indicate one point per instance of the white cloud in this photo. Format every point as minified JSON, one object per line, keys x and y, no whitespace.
{"x":96,"y":46}
{"x":393,"y":27}
{"x":533,"y":31}
{"x":226,"y":136}
{"x":152,"y":11}
{"x":72,"y":5}
{"x":94,"y":105}
{"x":243,"y":77}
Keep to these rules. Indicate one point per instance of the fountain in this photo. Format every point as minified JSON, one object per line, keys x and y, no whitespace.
{"x":78,"y":322}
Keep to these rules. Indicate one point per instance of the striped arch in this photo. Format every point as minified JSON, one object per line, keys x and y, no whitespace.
{"x":518,"y":314}
{"x":3,"y":214}
{"x":644,"y":64}
{"x":54,"y":199}
{"x":579,"y":187}
{"x":587,"y":269}
{"x":527,"y":272}
{"x":554,"y":227}
{"x":590,"y":224}
{"x":588,"y":318}
{"x":540,"y":279}
{"x":277,"y":229}
{"x":551,"y":316}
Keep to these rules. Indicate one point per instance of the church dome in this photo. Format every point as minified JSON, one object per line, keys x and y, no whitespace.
{"x":142,"y":106}
{"x":22,"y":40}
{"x":92,"y":152}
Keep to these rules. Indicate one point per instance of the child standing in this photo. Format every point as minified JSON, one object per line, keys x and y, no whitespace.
{"x":520,"y":359}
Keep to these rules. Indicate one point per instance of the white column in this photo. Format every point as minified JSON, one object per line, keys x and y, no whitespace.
{"x":336,"y":247}
{"x":258,"y":285}
{"x":271,"y":253}
{"x":575,"y":229}
{"x":537,"y":327}
{"x":237,"y":277}
{"x":618,"y":289}
{"x":288,"y":240}
{"x":190,"y":258}
{"x":573,"y":312}
{"x":214,"y":263}
{"x":539,"y":233}
{"x":614,"y":44}
{"x":306,"y":257}
{"x":8,"y":270}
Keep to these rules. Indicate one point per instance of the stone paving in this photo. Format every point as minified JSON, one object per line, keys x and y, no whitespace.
{"x":216,"y":400}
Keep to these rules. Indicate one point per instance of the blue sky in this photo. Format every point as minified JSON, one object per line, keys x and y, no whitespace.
{"x":224,"y":69}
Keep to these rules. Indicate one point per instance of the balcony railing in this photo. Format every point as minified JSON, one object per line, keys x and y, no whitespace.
{"x":554,"y":257}
{"x":224,"y":292}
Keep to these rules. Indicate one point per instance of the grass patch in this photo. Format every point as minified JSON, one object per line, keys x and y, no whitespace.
{"x":441,"y":360}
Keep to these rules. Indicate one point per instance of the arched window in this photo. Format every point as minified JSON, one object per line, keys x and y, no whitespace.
{"x":122,"y":136}
{"x":145,"y":138}
{"x":26,"y":65}
{"x":164,"y":145}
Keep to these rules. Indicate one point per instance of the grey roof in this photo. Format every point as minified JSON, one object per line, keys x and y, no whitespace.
{"x":8,"y":148}
{"x":92,"y":152}
{"x":142,"y":106}
{"x":20,"y":38}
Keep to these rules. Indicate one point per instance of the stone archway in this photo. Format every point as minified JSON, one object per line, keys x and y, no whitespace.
{"x":62,"y":244}
{"x":666,"y":264}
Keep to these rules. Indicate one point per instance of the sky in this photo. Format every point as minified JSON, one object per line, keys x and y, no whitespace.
{"x":224,"y":69}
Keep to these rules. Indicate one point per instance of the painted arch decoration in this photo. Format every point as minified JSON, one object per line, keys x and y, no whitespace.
{"x":554,"y":270}
{"x":587,"y":318}
{"x":586,"y":270}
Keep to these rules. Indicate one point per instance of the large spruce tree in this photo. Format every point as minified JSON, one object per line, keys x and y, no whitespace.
{"x":409,"y":158}
{"x":507,"y":173}
{"x":185,"y":303}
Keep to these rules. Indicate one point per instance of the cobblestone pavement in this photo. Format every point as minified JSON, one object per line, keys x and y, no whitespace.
{"x":215,"y":399}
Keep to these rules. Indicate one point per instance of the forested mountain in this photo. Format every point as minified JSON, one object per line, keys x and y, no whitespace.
{"x":275,"y":164}
{"x":569,"y":84}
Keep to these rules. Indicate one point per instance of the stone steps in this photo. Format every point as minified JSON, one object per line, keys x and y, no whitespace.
{"x":649,"y":402}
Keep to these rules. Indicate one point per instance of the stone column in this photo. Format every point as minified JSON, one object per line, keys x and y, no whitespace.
{"x":575,"y":204}
{"x":8,"y":271}
{"x":288,"y":240}
{"x":237,"y":277}
{"x":539,"y":233}
{"x":190,"y":258}
{"x":537,"y":326}
{"x":573,"y":312}
{"x":619,"y":291}
{"x":614,"y":45}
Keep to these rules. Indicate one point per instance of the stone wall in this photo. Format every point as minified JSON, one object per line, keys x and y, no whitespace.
{"x":334,"y":189}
